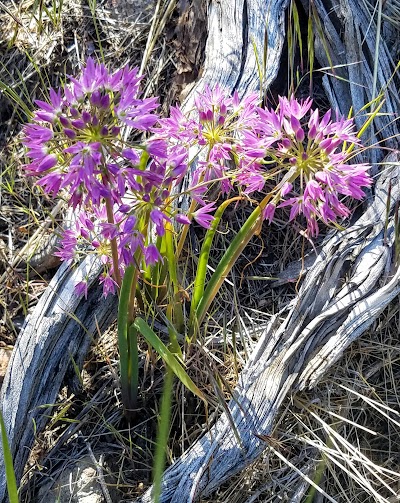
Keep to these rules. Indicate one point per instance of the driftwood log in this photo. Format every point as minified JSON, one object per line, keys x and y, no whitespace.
{"x":325,"y":317}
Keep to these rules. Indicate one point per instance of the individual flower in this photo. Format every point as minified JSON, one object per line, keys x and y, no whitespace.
{"x":109,"y":284}
{"x":81,"y":288}
{"x":152,"y":255}
{"x":202,"y":215}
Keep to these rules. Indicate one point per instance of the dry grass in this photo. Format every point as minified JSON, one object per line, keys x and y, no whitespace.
{"x":344,"y":435}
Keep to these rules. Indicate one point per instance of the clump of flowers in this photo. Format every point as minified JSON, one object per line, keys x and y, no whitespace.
{"x":75,"y":144}
{"x":125,"y":192}
{"x":74,"y":141}
{"x":215,"y":127}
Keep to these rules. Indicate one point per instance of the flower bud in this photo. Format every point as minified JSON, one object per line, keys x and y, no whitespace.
{"x":78,"y":124}
{"x":86,"y":116}
{"x":64,"y":121}
{"x":95,"y":98}
{"x":105,"y":101}
{"x":70,"y":133}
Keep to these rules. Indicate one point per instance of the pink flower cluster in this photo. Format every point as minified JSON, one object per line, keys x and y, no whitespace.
{"x":74,"y":141}
{"x":309,"y":170}
{"x":75,"y":145}
{"x":125,"y":192}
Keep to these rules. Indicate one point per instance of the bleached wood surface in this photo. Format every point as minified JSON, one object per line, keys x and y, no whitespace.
{"x":58,"y":332}
{"x":348,"y":54}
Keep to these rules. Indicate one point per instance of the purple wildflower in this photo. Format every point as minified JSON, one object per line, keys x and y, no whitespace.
{"x":152,"y":255}
{"x":74,"y":141}
{"x":308,"y":164}
{"x":81,"y":288}
{"x":202,"y":215}
{"x":215,"y":126}
{"x":109,"y":284}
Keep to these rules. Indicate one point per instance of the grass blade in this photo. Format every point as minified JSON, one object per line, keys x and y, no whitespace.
{"x":8,"y":463}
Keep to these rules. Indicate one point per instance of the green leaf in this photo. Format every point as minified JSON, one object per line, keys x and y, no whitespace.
{"x":175,"y":307}
{"x":238,"y":244}
{"x":199,"y":282}
{"x":123,"y":338}
{"x":133,"y":366}
{"x":8,"y":463}
{"x":310,"y":46}
{"x":169,"y":358}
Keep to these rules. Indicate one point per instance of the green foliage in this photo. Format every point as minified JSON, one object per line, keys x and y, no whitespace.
{"x":53,"y":13}
{"x":169,"y":358}
{"x":8,"y":463}
{"x":198,"y":297}
{"x":126,"y":339}
{"x":92,"y":7}
{"x":163,"y":434}
{"x":202,"y":301}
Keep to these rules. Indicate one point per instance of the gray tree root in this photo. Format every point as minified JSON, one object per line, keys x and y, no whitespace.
{"x":322,"y":321}
{"x":55,"y":336}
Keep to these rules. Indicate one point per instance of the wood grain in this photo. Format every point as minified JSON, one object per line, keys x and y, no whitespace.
{"x":58,"y":332}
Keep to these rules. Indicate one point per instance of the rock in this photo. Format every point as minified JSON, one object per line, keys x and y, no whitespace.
{"x":78,"y":484}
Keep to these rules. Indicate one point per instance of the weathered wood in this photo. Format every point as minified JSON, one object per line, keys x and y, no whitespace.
{"x":58,"y":333}
{"x":322,"y":321}
{"x":347,"y":53}
{"x":237,"y":33}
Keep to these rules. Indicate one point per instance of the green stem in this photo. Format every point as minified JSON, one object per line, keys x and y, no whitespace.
{"x":185,"y":230}
{"x":176,"y":311}
{"x":8,"y":464}
{"x":114,"y":249}
{"x":128,"y":377}
{"x":133,"y":366}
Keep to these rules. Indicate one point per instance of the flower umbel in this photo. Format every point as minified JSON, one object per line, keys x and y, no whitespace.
{"x":74,"y":141}
{"x":307,"y":164}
